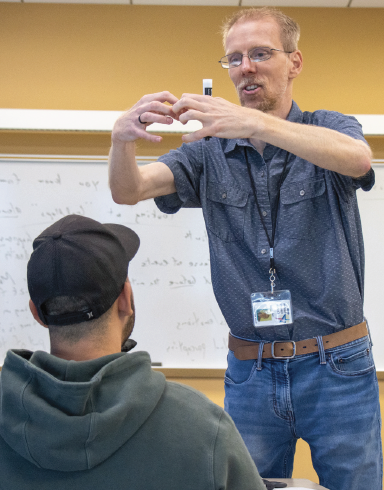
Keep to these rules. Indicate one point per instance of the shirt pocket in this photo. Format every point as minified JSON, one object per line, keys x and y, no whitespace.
{"x":225,"y":210}
{"x":304,"y":210}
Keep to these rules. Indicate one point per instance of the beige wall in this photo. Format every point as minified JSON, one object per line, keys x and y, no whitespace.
{"x":105,"y":57}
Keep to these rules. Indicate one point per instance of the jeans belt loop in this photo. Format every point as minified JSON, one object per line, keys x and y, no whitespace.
{"x":260,"y":356}
{"x":369,"y":333}
{"x":321,"y":349}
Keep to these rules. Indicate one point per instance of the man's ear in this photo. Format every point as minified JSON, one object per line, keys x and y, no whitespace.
{"x":296,"y":64}
{"x":33,"y":309}
{"x":124,"y":303}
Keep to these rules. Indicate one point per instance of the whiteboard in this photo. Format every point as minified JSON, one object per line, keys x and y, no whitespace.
{"x":371,"y":205}
{"x":177,"y":318}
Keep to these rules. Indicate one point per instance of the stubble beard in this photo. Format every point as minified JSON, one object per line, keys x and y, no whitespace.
{"x":269,"y":103}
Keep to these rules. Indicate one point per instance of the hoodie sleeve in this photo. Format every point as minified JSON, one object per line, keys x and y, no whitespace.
{"x":233,"y":466}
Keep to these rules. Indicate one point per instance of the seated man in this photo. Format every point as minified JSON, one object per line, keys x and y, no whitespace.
{"x":88,"y":416}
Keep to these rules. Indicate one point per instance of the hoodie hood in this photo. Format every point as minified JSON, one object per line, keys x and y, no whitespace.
{"x":71,"y":416}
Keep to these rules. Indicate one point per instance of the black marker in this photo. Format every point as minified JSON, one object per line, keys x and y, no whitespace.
{"x":207,"y":90}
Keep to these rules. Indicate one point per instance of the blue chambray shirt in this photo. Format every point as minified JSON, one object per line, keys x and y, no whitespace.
{"x":319,"y":250}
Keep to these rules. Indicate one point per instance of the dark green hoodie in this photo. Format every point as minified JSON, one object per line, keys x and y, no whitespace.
{"x":112,"y":423}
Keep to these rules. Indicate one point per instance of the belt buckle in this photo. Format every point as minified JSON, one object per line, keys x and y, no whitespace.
{"x":283,"y":342}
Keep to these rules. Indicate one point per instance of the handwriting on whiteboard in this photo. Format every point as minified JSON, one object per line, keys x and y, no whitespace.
{"x":177,"y":318}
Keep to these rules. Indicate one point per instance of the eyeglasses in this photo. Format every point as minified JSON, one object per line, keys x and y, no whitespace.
{"x":255,"y":55}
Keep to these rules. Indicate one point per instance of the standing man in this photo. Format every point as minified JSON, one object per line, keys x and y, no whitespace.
{"x":88,"y":416}
{"x":277,"y":187}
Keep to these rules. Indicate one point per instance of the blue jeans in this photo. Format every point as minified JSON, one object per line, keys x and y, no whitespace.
{"x":333,"y":406}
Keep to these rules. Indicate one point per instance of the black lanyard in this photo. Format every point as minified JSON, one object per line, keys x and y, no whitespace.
{"x":271,"y":240}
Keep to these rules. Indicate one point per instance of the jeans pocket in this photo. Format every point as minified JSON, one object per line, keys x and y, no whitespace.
{"x":225,"y":212}
{"x":238,"y":372}
{"x":356,"y":360}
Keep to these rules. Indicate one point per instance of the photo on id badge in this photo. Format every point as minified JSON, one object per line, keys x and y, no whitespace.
{"x":271,"y":308}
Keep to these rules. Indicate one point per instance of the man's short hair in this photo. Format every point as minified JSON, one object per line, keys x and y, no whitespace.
{"x":289,"y":29}
{"x":63,"y":305}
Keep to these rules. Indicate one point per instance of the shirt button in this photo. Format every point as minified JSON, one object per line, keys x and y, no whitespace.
{"x":224,"y":195}
{"x":302,"y":192}
{"x":264,"y":213}
{"x":264,"y":251}
{"x":262,"y":174}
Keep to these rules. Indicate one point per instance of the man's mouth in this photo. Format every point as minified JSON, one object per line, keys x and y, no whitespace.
{"x":251,"y":88}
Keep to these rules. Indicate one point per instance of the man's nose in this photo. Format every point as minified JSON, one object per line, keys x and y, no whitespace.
{"x":247,"y":65}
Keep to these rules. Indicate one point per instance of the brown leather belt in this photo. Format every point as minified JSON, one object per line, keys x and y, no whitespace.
{"x":287,"y":349}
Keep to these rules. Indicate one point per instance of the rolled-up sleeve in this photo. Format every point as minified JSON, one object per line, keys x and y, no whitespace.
{"x":350,"y":126}
{"x":186,"y":164}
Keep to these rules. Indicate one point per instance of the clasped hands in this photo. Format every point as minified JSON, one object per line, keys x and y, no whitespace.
{"x":218,"y":116}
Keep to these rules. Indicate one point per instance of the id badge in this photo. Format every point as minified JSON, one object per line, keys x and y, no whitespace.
{"x":271,"y":308}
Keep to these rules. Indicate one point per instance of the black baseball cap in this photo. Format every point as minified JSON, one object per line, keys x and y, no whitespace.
{"x":78,"y":256}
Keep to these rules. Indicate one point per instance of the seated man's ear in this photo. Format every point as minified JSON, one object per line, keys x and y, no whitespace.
{"x":33,"y":309}
{"x":124,"y":301}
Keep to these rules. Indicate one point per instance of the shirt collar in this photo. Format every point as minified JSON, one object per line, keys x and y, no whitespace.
{"x":295,"y":115}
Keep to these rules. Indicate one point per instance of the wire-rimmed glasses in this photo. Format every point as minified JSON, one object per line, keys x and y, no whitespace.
{"x":256,"y":55}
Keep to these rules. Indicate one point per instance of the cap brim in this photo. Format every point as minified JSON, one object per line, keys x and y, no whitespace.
{"x":127,"y":237}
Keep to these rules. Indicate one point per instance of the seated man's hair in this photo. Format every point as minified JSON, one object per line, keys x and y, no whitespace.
{"x":73,"y":333}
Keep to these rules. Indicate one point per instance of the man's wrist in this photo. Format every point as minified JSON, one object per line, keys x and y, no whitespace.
{"x":122,"y":146}
{"x":257,"y":123}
